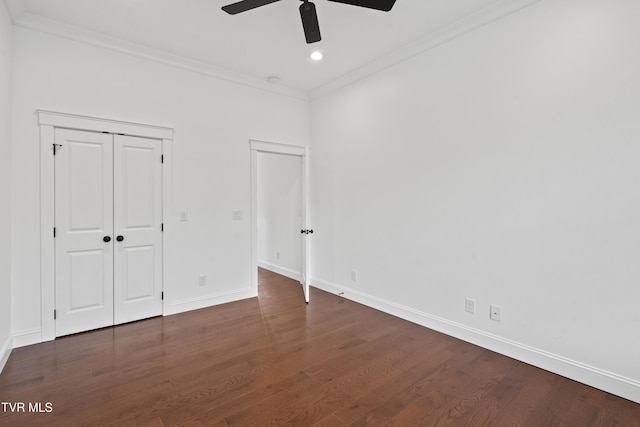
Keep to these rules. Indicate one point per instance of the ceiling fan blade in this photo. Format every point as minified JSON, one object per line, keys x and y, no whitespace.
{"x":310,"y":22}
{"x":245,"y":5}
{"x":384,"y":5}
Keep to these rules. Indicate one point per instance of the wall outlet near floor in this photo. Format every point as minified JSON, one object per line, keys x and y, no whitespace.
{"x":277,"y":254}
{"x":470,"y":305}
{"x":202,"y":280}
{"x":496,"y":313}
{"x":354,"y":275}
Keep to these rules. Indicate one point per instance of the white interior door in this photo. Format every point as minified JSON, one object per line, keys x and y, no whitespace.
{"x":108,"y":216}
{"x":305,"y":257}
{"x":84,"y":231}
{"x":137,"y":227}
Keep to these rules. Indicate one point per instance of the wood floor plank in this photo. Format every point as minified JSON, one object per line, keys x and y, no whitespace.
{"x":275,"y":360}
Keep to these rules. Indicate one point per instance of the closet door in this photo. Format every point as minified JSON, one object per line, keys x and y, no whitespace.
{"x":84,"y":231}
{"x":137,"y":228}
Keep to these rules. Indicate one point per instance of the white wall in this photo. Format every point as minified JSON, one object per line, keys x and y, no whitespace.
{"x":5,"y":183}
{"x":279,"y":221}
{"x":501,"y":166}
{"x":213,"y":121}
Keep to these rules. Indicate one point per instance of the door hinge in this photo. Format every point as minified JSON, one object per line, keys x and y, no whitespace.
{"x":162,"y":227}
{"x":162,"y":296}
{"x":55,"y":312}
{"x":54,"y":232}
{"x":161,"y":158}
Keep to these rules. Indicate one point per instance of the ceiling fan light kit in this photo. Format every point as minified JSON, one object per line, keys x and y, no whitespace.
{"x":308,"y":12}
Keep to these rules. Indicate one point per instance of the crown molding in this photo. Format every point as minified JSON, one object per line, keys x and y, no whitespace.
{"x":495,"y":11}
{"x":25,"y":19}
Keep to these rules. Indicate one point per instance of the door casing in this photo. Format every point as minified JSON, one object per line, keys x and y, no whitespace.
{"x":48,"y":121}
{"x":302,"y":152}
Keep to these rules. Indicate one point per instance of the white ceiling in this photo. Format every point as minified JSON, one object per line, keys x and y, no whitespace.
{"x":263,"y":42}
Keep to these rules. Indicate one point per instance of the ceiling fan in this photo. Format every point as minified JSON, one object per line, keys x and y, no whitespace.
{"x":308,"y":12}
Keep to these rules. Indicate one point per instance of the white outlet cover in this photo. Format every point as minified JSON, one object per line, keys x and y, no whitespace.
{"x":496,"y":313}
{"x":236,"y":215}
{"x":470,"y":306}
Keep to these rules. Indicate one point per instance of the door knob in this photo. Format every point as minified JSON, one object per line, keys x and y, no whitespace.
{"x":106,"y":239}
{"x":120,"y":238}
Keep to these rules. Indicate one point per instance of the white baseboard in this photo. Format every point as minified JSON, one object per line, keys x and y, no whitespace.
{"x":23,"y":338}
{"x":575,"y":370}
{"x":5,"y":352}
{"x":291,"y":274}
{"x":34,"y":336}
{"x":197,"y":303}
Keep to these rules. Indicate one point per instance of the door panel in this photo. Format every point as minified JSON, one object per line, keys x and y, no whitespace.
{"x":138,"y":263}
{"x":86,"y":274}
{"x":138,"y":220}
{"x":83,"y":216}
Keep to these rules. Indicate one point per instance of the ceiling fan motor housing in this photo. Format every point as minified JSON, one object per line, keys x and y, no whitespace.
{"x":310,"y":22}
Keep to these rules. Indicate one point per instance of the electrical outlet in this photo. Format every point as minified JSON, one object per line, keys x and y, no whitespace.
{"x":202,"y":280}
{"x":354,"y":275}
{"x":277,"y":254}
{"x":496,"y":313}
{"x":470,"y":306}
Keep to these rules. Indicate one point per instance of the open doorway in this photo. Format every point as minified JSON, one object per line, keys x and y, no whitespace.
{"x":292,"y":226}
{"x":279,"y":213}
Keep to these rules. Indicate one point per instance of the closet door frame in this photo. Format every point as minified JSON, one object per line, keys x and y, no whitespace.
{"x":48,"y":121}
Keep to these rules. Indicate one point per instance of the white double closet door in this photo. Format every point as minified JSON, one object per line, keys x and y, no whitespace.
{"x":108,"y":235}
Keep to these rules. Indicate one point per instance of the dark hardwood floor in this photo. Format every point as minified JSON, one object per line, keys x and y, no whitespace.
{"x":277,"y":361}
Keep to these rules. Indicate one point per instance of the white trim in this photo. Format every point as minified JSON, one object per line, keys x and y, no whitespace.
{"x":277,"y":148}
{"x":28,"y":337}
{"x":48,"y":121}
{"x":255,"y":147}
{"x":496,"y":10}
{"x":5,"y":352}
{"x":34,"y":22}
{"x":168,"y":273}
{"x":75,"y":121}
{"x":283,"y":271}
{"x":485,"y":16}
{"x":206,"y":301}
{"x":47,"y":242}
{"x":590,"y":375}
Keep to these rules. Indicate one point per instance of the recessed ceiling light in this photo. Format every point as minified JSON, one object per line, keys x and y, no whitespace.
{"x":316,"y":55}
